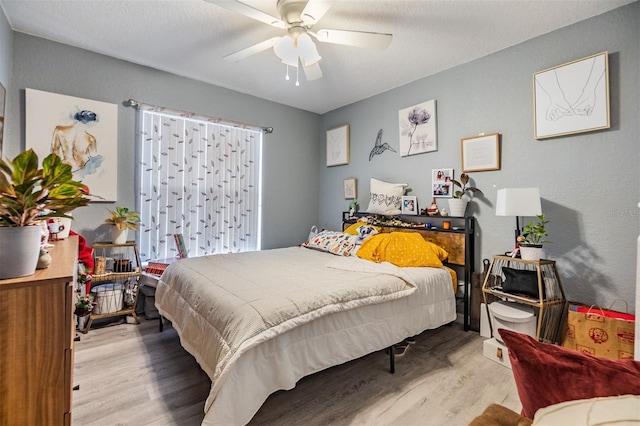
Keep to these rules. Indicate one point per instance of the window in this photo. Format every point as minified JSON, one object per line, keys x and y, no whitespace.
{"x":199,"y":178}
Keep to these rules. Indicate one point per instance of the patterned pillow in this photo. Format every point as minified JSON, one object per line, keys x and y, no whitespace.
{"x":333,"y":242}
{"x":385,"y":198}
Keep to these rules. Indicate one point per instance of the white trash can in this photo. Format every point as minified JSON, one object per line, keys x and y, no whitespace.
{"x":108,"y":298}
{"x":512,"y":316}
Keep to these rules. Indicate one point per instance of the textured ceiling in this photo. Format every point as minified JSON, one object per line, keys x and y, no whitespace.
{"x":190,"y":38}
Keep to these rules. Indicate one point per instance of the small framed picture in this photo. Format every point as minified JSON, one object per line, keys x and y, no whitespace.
{"x":338,"y":146}
{"x":350,"y":189}
{"x":480,"y":153}
{"x":441,"y":185}
{"x":409,"y":204}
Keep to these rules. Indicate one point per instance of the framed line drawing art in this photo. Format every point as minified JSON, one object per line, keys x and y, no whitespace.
{"x":417,"y":125}
{"x":338,"y":146}
{"x":410,"y":204}
{"x":350,"y":189}
{"x":480,"y":153}
{"x":572,"y":98}
{"x":83,"y":132}
{"x":441,"y":185}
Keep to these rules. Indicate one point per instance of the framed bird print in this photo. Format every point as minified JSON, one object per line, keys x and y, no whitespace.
{"x":338,"y":146}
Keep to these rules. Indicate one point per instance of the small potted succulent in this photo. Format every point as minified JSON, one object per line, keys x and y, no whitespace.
{"x":29,"y":194}
{"x":457,"y":204}
{"x":532,"y":238}
{"x":122,"y":220}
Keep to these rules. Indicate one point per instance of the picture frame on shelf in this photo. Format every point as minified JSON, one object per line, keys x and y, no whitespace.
{"x":441,"y":185}
{"x":350,"y":189}
{"x":338,"y":146}
{"x":410,"y":204}
{"x":572,"y":98}
{"x":480,"y":153}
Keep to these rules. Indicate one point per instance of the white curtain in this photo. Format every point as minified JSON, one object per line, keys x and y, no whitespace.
{"x":200,"y":178}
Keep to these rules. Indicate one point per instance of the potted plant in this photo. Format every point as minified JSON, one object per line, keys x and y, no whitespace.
{"x":532,"y":239}
{"x":122,"y":220}
{"x":457,"y":204}
{"x":29,"y":194}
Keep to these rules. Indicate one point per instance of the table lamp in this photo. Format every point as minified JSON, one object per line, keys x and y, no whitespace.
{"x":518,"y":202}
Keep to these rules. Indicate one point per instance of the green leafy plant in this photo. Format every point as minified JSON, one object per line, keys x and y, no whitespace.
{"x":122,"y":218}
{"x":84,"y":304}
{"x":29,"y":193}
{"x":534,"y":232}
{"x":462,"y":184}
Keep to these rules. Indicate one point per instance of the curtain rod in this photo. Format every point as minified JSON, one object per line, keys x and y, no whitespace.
{"x":135,"y":104}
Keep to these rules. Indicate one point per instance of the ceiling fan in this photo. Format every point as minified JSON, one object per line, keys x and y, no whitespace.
{"x":296,"y":47}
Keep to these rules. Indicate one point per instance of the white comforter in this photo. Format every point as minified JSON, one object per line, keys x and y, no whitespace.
{"x":225,"y":305}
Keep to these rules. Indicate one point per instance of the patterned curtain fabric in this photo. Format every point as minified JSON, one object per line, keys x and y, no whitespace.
{"x":199,"y":178}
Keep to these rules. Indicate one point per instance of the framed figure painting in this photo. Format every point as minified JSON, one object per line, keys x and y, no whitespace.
{"x":572,"y":98}
{"x":82,"y":132}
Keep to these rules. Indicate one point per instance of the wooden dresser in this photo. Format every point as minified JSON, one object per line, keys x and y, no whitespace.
{"x":36,"y":342}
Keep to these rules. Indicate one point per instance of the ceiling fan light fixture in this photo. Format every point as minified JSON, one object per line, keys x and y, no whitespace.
{"x":285,"y":50}
{"x":307,"y":50}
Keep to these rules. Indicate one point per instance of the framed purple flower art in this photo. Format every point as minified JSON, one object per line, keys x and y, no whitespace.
{"x":417,"y":125}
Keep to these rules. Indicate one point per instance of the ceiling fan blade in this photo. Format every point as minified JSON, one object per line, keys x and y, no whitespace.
{"x":315,"y":10}
{"x":354,"y":38}
{"x":252,"y":50}
{"x":250,"y":12}
{"x":312,"y":72}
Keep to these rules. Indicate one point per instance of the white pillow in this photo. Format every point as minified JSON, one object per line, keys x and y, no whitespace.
{"x":385,"y":198}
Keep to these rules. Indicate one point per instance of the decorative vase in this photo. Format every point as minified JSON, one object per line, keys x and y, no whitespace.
{"x":531,"y":252}
{"x":118,"y":236}
{"x":19,"y":250}
{"x":457,"y":206}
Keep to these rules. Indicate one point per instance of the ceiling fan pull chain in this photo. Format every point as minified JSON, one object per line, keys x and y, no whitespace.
{"x":297,"y":72}
{"x":287,"y":76}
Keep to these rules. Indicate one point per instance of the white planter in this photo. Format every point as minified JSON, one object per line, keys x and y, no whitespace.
{"x":531,"y":252}
{"x":118,"y":236}
{"x":19,"y":250}
{"x":457,"y":206}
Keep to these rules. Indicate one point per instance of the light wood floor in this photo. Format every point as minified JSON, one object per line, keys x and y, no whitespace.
{"x":133,"y":375}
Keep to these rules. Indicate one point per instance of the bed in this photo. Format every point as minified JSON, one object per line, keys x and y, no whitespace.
{"x":258,"y":322}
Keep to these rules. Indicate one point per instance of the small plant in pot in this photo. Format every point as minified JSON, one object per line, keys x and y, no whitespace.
{"x":533,"y":237}
{"x":28,"y":194}
{"x":122,"y":220}
{"x":457,"y":204}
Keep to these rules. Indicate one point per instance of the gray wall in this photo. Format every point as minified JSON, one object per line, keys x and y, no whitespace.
{"x":589,"y":182}
{"x":290,"y":168}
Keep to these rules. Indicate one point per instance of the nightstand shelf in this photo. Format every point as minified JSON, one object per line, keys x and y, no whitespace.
{"x":116,"y":281}
{"x":550,"y":308}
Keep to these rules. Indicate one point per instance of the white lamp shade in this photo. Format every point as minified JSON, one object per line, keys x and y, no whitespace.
{"x":518,"y":202}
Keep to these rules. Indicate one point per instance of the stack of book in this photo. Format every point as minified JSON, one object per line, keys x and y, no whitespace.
{"x":157,"y":267}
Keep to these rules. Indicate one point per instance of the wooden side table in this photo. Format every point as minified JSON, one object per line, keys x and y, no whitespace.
{"x":550,"y":307}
